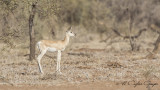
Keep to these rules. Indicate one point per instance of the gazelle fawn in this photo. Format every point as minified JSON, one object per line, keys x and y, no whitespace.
{"x":52,"y":46}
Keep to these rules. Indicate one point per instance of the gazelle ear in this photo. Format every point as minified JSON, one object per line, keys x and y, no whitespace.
{"x":69,"y":28}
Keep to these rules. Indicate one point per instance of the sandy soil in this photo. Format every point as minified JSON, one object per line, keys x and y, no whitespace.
{"x":84,"y":66}
{"x":86,"y":86}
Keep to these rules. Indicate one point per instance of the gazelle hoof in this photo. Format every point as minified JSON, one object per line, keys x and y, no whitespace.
{"x":42,"y":72}
{"x":58,"y":72}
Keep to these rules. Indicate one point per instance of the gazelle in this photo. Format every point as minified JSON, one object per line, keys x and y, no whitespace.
{"x":52,"y":46}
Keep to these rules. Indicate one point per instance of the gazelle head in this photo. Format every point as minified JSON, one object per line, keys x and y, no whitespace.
{"x":70,"y":33}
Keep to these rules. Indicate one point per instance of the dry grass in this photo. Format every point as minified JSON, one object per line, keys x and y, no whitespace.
{"x":78,"y":65}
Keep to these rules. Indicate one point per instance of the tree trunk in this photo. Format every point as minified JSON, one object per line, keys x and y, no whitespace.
{"x":155,"y":50}
{"x":130,"y":31}
{"x":31,"y":33}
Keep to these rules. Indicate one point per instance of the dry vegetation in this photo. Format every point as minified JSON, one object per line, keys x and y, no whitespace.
{"x":106,"y":48}
{"x":78,"y":65}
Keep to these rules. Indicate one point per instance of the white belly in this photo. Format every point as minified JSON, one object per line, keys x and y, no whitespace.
{"x":52,"y":49}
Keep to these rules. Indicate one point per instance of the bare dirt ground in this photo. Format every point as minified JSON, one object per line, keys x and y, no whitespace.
{"x":83,"y":86}
{"x":84,"y":66}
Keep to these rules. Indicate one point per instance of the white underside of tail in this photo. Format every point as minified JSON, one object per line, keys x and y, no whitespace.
{"x":38,"y":45}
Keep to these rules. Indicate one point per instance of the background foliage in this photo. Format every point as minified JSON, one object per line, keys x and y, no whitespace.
{"x":86,"y":16}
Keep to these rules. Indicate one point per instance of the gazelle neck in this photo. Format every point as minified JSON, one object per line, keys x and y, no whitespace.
{"x":66,"y":39}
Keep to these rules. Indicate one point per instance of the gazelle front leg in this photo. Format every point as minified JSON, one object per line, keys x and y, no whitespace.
{"x":58,"y":62}
{"x":39,"y":60}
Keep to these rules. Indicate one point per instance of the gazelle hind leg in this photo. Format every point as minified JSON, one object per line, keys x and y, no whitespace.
{"x":39,"y":60}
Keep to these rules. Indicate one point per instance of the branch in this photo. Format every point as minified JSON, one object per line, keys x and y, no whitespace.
{"x":127,"y":37}
{"x":154,"y":28}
